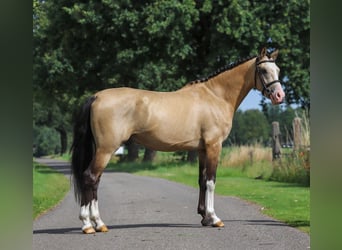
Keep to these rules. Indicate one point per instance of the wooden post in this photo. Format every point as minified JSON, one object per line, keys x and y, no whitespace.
{"x":297,"y":133}
{"x":275,"y":141}
{"x":149,"y":155}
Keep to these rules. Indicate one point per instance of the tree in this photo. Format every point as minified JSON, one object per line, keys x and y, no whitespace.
{"x":45,"y":141}
{"x":249,"y":127}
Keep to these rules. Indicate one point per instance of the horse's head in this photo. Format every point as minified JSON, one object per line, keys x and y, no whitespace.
{"x":266,"y":77}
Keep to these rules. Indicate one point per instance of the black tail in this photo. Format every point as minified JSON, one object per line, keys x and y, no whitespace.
{"x":82,"y":147}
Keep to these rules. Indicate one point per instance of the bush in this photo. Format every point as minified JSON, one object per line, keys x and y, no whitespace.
{"x":294,"y":167}
{"x":45,"y":141}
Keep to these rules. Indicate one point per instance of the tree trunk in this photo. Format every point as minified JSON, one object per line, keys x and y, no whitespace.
{"x":133,"y":150}
{"x":192,"y":156}
{"x":64,"y":140}
{"x":149,"y":155}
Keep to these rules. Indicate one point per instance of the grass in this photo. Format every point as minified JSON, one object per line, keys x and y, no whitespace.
{"x":49,"y":188}
{"x":287,"y":202}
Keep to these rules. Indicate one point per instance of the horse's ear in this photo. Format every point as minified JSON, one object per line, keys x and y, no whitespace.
{"x":263,"y":52}
{"x":274,"y":54}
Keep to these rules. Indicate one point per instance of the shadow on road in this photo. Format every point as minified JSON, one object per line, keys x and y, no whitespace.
{"x":77,"y":230}
{"x":61,"y":167}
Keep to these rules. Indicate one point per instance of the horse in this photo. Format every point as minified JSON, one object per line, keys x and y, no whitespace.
{"x":197,"y":116}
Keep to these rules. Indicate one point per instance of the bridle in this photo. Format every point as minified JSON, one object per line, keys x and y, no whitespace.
{"x":265,"y":86}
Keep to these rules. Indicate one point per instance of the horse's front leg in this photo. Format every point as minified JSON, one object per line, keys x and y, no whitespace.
{"x":212,"y":157}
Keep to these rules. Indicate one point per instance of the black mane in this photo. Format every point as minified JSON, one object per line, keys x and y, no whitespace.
{"x":222,"y":69}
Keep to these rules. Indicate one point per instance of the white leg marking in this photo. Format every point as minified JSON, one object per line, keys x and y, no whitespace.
{"x":209,"y":201}
{"x":95,"y":214}
{"x":85,"y":216}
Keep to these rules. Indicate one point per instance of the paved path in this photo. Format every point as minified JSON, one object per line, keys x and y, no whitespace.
{"x":150,"y":213}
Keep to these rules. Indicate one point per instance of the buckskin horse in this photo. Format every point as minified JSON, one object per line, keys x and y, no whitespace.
{"x":196,"y":117}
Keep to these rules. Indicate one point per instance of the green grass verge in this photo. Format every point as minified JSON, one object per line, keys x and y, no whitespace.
{"x":286,"y":202}
{"x":49,"y":188}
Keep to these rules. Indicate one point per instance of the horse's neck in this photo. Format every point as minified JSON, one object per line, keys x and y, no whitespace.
{"x":233,"y":85}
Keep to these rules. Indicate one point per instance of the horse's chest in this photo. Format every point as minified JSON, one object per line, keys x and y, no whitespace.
{"x":217,"y":127}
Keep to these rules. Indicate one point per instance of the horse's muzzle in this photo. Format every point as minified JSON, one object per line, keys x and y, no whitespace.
{"x":277,"y":96}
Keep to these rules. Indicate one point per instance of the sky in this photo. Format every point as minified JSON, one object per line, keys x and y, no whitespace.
{"x":251,"y":101}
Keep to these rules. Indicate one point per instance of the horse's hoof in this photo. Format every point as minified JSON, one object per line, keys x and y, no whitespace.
{"x":218,"y":224}
{"x":206,"y":221}
{"x":89,"y":230}
{"x":102,"y":229}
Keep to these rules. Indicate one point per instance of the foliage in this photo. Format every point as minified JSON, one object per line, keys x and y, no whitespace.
{"x":49,"y":122}
{"x":49,"y":187}
{"x":294,"y":167}
{"x":45,"y":141}
{"x":249,"y":127}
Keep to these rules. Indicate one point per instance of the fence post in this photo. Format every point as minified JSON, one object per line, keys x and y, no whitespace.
{"x":297,"y":133}
{"x":275,"y":141}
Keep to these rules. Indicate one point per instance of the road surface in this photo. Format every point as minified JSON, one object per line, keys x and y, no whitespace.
{"x":151,"y":213}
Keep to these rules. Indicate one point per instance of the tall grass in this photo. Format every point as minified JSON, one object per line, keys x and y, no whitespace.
{"x":305,"y":128}
{"x":245,"y":155}
{"x":255,"y":161}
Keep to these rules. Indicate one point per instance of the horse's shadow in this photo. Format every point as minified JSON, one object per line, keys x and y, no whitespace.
{"x":76,"y":230}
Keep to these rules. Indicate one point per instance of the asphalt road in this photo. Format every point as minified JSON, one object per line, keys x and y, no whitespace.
{"x":150,"y":213}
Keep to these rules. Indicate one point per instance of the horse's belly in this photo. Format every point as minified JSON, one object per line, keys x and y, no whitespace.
{"x":166,"y":143}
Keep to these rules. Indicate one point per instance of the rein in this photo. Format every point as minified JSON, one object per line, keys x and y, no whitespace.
{"x":264,"y":85}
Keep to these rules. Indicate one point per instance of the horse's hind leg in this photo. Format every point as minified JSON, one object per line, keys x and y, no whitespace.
{"x":95,"y":213}
{"x":89,"y":211}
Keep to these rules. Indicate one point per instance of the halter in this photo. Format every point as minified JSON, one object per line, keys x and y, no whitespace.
{"x":264,"y":85}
